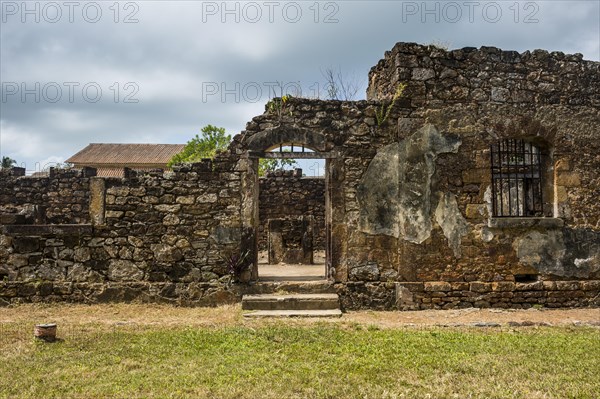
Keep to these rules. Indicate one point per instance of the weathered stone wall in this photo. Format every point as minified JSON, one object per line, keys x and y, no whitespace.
{"x":456,"y":295}
{"x":501,"y":294}
{"x":166,"y":235}
{"x":489,"y":74}
{"x":284,"y":193}
{"x":175,"y":226}
{"x":411,"y":193}
{"x":410,"y":221}
{"x":60,"y":198}
{"x":291,"y":240}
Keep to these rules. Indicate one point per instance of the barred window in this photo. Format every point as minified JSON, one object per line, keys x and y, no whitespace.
{"x":517,"y":179}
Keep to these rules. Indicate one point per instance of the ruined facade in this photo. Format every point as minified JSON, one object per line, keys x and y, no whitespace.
{"x":420,"y":210}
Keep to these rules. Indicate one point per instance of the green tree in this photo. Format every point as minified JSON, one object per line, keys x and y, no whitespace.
{"x":8,"y":162}
{"x":268,"y":165}
{"x":212,"y":140}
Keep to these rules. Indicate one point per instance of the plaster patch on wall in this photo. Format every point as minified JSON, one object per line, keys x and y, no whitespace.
{"x":486,"y":234}
{"x":543,"y":251}
{"x":583,"y":262}
{"x":547,"y":252}
{"x":487,"y":197}
{"x":226,"y":234}
{"x":583,"y":257}
{"x":452,"y":222}
{"x":404,"y":297}
{"x":588,"y":266}
{"x":395,"y":192}
{"x":378,"y":193}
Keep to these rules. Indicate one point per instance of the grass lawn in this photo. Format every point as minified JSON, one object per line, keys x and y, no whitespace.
{"x":266,"y":359}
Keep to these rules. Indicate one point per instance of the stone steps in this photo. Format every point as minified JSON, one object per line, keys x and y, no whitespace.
{"x":292,"y":305}
{"x":290,"y":287}
{"x":291,"y":302}
{"x":294,"y":313}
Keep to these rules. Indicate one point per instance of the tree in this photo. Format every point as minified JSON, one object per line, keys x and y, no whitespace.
{"x":212,"y":141}
{"x":8,"y":162}
{"x":268,"y":165}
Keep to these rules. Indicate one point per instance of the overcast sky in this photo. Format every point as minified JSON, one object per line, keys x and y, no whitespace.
{"x":75,"y":72}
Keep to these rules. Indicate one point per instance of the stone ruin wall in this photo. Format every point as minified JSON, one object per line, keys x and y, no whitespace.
{"x":445,"y":251}
{"x":291,"y":241}
{"x":418,"y":236}
{"x":550,"y":97}
{"x":162,"y":237}
{"x":284,"y":194}
{"x":60,"y":198}
{"x":437,"y":77}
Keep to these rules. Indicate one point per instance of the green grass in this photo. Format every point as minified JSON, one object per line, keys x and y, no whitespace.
{"x":276,"y":360}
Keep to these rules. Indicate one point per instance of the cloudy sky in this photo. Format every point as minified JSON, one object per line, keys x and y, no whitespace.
{"x":157,"y":71}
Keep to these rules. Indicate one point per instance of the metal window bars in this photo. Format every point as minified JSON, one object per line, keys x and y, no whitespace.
{"x":303,"y":149}
{"x":517,"y":179}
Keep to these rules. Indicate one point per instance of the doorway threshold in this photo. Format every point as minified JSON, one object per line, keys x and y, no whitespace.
{"x":287,"y":272}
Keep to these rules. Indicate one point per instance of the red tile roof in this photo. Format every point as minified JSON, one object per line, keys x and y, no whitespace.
{"x":128,"y":155}
{"x":110,"y":172}
{"x":116,"y":172}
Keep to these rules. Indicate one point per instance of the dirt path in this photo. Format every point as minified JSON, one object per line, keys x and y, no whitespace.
{"x":480,"y":317}
{"x":164,"y":315}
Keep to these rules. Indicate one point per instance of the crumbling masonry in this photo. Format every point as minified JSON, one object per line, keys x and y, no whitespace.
{"x":416,"y":215}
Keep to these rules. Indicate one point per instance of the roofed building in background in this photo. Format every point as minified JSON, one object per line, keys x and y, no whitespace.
{"x":110,"y":160}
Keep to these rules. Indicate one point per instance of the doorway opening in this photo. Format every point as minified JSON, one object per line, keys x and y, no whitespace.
{"x":293,"y":214}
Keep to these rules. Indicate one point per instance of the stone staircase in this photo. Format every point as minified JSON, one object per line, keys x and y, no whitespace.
{"x":291,"y":305}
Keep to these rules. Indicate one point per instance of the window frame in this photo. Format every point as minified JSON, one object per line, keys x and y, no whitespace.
{"x":517,"y":178}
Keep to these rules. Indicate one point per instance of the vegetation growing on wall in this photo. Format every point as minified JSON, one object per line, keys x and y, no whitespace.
{"x":383,"y":112}
{"x":279,"y":106}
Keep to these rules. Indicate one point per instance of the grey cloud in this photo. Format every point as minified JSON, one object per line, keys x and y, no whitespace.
{"x":171,"y":52}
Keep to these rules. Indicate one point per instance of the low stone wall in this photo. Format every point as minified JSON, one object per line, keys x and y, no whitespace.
{"x":170,"y":227}
{"x":452,"y":295}
{"x":183,"y":294}
{"x":62,"y":197}
{"x":353,"y":295}
{"x":505,"y":294}
{"x":50,"y":253}
{"x":175,"y":227}
{"x":290,"y":240}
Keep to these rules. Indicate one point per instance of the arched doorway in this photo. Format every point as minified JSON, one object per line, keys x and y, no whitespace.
{"x":301,"y":144}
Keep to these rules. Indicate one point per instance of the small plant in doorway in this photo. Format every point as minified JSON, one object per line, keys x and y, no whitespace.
{"x":237,"y":265}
